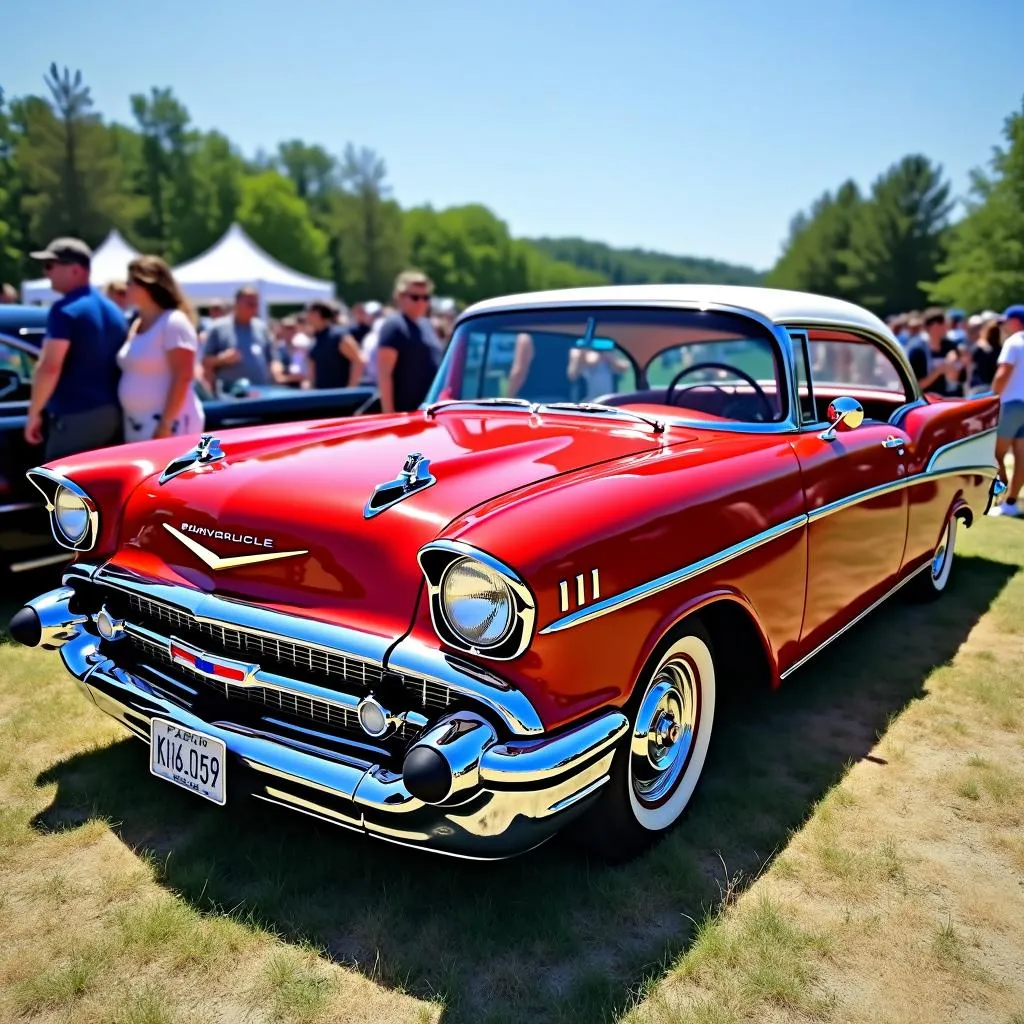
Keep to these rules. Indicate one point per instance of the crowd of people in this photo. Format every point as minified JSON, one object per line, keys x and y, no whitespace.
{"x":957,"y":356}
{"x":122,"y":364}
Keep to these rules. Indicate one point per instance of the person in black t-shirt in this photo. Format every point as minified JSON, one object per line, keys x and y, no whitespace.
{"x":364,"y":314}
{"x":408,"y":353}
{"x":936,"y":359}
{"x":335,"y":360}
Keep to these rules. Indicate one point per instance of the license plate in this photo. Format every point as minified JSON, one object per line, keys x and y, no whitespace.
{"x":188,"y":759}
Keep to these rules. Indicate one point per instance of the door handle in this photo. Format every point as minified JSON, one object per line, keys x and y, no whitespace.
{"x":894,"y":442}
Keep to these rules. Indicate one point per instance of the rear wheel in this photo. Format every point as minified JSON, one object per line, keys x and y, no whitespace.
{"x":660,"y":760}
{"x":929,"y":583}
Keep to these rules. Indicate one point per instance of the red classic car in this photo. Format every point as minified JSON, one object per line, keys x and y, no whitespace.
{"x":511,"y":611}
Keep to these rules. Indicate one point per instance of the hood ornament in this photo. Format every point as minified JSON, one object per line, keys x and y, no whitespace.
{"x":414,"y":476}
{"x":206,"y":451}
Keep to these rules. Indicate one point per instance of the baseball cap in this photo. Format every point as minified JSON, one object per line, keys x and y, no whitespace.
{"x":66,"y":250}
{"x":1013,"y":312}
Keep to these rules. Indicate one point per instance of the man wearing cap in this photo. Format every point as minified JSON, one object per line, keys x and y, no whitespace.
{"x":1008,"y":384}
{"x":75,"y":382}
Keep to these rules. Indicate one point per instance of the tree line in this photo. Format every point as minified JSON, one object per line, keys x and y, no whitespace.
{"x":895,"y":249}
{"x":173,"y":189}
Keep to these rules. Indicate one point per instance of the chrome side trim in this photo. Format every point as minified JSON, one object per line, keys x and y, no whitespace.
{"x":972,"y":451}
{"x":655,"y":586}
{"x":48,"y":483}
{"x":644,"y":590}
{"x":853,"y":622}
{"x":18,"y":506}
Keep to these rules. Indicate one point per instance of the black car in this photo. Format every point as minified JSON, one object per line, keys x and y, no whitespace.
{"x":25,"y":539}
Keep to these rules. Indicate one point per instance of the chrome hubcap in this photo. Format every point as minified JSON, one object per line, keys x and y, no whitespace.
{"x":664,"y":732}
{"x":939,"y":558}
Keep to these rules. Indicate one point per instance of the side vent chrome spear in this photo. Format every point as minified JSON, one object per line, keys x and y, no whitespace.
{"x":206,"y":451}
{"x":415,"y":476}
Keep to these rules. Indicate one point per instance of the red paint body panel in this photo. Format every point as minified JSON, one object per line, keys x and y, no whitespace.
{"x":552,"y":496}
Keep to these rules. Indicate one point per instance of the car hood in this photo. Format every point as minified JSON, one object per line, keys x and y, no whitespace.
{"x":307,"y":492}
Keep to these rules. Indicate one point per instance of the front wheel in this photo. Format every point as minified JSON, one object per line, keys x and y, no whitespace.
{"x":659,"y":762}
{"x":929,"y":583}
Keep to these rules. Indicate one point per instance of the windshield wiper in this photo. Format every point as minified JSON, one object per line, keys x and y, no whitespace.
{"x":596,"y":407}
{"x":448,"y":403}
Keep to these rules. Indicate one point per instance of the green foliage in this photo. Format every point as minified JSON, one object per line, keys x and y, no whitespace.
{"x":639,"y":266}
{"x":985,"y":265}
{"x":279,"y":221}
{"x":896,"y":237}
{"x":11,"y":241}
{"x":813,"y":258}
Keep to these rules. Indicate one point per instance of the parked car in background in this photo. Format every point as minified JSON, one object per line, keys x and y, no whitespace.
{"x":25,"y":539}
{"x":469,"y":626}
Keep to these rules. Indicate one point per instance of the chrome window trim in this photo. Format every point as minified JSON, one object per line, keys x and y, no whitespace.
{"x":525,"y":607}
{"x":786,"y":425}
{"x":88,"y":542}
{"x":644,"y":590}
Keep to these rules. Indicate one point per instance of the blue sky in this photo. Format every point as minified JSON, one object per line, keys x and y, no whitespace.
{"x":691,"y":128}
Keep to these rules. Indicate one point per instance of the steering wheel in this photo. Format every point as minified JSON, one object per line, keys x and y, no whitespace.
{"x":758,"y":390}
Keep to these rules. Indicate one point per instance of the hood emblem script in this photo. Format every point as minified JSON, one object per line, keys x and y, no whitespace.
{"x":216,"y":562}
{"x":415,"y":476}
{"x":206,"y":451}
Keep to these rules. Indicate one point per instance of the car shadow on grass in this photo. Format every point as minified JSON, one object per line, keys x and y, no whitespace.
{"x":551,"y":935}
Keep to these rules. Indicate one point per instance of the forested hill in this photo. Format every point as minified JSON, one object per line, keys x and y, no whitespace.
{"x":641,"y":266}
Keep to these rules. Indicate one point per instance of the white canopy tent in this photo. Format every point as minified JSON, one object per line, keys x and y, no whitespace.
{"x":235,"y":261}
{"x":109,"y":263}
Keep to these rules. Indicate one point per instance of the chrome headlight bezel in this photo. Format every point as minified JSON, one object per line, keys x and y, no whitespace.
{"x":437,"y":560}
{"x":50,"y":485}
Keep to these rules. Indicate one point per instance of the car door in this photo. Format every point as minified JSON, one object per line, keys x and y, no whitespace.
{"x":853,"y":475}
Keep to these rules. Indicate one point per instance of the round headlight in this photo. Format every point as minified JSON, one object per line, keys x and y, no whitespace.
{"x":72,"y":515}
{"x":477,"y":603}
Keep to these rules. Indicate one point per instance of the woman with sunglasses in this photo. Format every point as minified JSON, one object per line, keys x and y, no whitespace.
{"x":408,"y":351}
{"x":158,"y":361}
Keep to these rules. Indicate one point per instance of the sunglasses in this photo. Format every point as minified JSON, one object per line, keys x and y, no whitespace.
{"x":417,"y":297}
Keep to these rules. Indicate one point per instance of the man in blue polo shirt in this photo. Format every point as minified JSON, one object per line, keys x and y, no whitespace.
{"x":75,"y":382}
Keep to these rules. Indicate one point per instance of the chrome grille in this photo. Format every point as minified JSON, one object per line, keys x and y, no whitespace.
{"x":234,"y":642}
{"x":322,"y":712}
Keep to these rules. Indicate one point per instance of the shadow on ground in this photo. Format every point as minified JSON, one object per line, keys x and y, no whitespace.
{"x":549,"y":936}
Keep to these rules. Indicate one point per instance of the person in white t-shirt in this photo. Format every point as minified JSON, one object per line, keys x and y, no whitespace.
{"x":1008,"y":384}
{"x":159,"y":361}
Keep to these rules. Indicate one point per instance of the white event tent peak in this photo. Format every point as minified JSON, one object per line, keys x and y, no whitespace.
{"x":236,"y":261}
{"x":109,"y":263}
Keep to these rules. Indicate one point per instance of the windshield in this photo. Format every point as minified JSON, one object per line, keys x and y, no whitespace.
{"x":681,"y":363}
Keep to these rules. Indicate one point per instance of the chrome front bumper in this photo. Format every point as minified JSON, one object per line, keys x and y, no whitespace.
{"x":500,"y":798}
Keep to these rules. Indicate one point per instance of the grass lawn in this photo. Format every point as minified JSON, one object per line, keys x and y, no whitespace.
{"x":856,"y":853}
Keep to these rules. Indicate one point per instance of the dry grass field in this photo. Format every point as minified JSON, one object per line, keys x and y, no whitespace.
{"x":855,"y":854}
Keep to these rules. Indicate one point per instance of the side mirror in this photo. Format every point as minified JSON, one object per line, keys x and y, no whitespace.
{"x":843,"y":414}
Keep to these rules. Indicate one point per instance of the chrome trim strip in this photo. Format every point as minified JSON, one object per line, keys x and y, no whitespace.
{"x":853,"y":622}
{"x":18,"y":506}
{"x":220,"y":611}
{"x":88,"y":542}
{"x":655,"y":586}
{"x":412,"y":658}
{"x":37,"y":563}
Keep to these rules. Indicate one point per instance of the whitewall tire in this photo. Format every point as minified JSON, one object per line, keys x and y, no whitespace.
{"x":661,"y":759}
{"x":933,"y":579}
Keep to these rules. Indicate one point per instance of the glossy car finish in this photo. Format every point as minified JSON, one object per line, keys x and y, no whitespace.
{"x":774,"y":536}
{"x":25,"y":539}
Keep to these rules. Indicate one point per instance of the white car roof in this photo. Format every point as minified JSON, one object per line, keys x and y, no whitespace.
{"x":773,"y":304}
